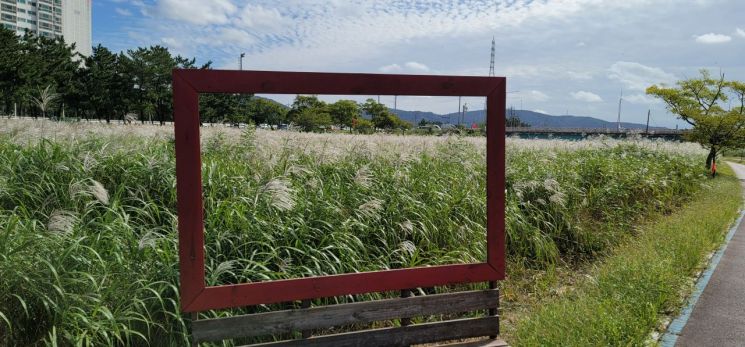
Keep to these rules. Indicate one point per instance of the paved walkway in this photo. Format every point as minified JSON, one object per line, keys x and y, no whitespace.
{"x":718,"y":318}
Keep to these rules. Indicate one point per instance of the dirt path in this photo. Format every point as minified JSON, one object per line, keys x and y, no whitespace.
{"x":718,"y":318}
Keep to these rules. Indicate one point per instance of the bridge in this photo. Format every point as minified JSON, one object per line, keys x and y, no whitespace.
{"x":583,"y":133}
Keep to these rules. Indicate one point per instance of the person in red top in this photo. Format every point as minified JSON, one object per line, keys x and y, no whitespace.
{"x":714,"y":168}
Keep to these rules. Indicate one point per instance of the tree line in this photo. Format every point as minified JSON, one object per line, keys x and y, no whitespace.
{"x":44,"y":77}
{"x":307,"y":112}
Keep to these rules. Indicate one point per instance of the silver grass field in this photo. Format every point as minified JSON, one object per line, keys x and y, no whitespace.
{"x":88,"y":246}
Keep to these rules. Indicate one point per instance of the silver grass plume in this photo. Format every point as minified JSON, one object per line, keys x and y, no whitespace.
{"x":99,"y":192}
{"x":371,"y":209}
{"x":408,"y":247}
{"x":280,"y":194}
{"x":407,"y":227}
{"x":363,"y":177}
{"x":61,"y":222}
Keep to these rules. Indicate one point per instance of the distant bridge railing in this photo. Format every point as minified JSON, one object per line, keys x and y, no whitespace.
{"x":593,"y":130}
{"x":581,"y":133}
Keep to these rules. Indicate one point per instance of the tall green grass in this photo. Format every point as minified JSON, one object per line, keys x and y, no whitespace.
{"x":88,"y":251}
{"x":624,"y":296}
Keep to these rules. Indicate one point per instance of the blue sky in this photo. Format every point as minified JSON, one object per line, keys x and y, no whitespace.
{"x":574,"y":56}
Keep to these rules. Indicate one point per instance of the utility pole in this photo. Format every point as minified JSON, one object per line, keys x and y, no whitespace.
{"x":463,"y":114}
{"x":618,"y":121}
{"x":484,"y":119}
{"x":459,"y":110}
{"x":648,"y":112}
{"x":241,"y":62}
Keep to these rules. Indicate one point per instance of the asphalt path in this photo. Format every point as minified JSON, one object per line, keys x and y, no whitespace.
{"x":718,"y":318}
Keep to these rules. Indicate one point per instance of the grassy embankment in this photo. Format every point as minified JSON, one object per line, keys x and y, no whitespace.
{"x":88,"y":252}
{"x":624,"y":296}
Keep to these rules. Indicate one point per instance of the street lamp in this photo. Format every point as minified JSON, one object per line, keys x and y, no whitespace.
{"x":241,"y":64}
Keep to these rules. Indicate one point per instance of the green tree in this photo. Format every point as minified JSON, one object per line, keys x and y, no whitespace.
{"x":344,"y":112}
{"x":383,"y":118}
{"x":57,"y":64}
{"x":312,"y":119}
{"x":217,"y":108}
{"x":303,"y":102}
{"x":11,"y":62}
{"x":103,"y":82}
{"x":137,"y":77}
{"x":702,"y":103}
{"x":363,"y":125}
{"x":267,"y":111}
{"x":515,"y":122}
{"x":148,"y":72}
{"x":159,"y":94}
{"x":39,"y":62}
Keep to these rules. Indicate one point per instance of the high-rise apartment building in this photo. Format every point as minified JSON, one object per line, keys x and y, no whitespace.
{"x":70,"y":19}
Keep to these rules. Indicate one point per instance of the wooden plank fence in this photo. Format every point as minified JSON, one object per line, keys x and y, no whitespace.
{"x":307,"y":319}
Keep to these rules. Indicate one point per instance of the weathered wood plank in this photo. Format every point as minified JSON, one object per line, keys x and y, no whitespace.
{"x":305,"y":305}
{"x":279,"y":322}
{"x":479,"y":343}
{"x":401,"y":336}
{"x":494,"y":311}
{"x":406,"y":293}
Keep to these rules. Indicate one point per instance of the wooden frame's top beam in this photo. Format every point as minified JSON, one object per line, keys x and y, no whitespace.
{"x":279,"y":82}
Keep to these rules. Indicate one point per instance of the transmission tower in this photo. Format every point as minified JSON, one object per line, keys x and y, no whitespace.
{"x":491,"y":65}
{"x":491,"y":69}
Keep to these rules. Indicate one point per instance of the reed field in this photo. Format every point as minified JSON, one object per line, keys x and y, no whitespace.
{"x":88,"y":246}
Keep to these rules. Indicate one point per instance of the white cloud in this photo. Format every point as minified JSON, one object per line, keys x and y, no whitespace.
{"x":412,"y":65}
{"x":171,"y":42}
{"x":326,"y":33}
{"x":540,"y":111}
{"x":258,"y":17}
{"x":236,"y":36}
{"x":579,"y":75}
{"x":390,"y":68}
{"x":712,"y":38}
{"x":198,"y":12}
{"x":641,"y":99}
{"x":536,"y":95}
{"x":586,"y":96}
{"x":525,"y":71}
{"x":637,"y":76}
{"x":740,"y":32}
{"x":123,"y":11}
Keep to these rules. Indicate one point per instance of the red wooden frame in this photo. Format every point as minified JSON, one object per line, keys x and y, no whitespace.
{"x":196,"y":296}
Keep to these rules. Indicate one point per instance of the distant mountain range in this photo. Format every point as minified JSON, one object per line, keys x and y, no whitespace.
{"x":535,"y":119}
